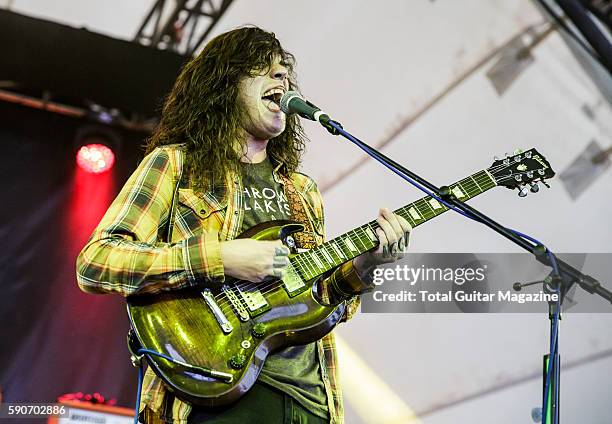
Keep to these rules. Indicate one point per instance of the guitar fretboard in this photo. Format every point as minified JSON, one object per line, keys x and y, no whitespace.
{"x":349,"y":245}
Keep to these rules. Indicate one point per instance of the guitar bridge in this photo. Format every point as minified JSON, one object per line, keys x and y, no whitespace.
{"x":224,"y":323}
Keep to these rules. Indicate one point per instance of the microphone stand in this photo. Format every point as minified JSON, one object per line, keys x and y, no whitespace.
{"x":564,"y":276}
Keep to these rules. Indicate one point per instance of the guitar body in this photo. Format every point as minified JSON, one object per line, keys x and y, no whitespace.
{"x":186,"y":326}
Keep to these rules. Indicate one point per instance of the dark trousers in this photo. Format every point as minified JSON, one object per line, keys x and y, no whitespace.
{"x":260,"y":405}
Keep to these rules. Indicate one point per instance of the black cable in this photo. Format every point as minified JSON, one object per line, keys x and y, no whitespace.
{"x":573,"y":34}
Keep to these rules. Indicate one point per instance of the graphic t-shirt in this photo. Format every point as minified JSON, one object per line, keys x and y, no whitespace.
{"x":294,"y":370}
{"x":264,"y":198}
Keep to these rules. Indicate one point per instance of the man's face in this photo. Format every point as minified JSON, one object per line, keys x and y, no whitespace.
{"x":260,"y":96}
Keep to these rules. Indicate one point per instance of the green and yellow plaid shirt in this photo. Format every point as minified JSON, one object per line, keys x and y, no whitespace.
{"x":128,"y":254}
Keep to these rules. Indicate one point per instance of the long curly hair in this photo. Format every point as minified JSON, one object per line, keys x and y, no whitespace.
{"x":204,"y":112}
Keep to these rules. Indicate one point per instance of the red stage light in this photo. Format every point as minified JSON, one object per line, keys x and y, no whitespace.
{"x":95,"y":158}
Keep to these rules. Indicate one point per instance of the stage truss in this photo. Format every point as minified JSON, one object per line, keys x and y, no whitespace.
{"x":180,"y":25}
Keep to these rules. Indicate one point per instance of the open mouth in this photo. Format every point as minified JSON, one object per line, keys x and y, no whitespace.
{"x":272,"y":98}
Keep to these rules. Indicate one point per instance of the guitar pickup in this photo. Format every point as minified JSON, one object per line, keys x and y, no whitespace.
{"x":293,"y":283}
{"x":255,"y":302}
{"x":235,"y":302}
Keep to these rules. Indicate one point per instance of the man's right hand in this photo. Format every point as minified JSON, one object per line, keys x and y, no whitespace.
{"x":254,"y":260}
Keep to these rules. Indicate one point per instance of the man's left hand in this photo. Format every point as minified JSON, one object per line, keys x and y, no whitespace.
{"x":393,"y":236}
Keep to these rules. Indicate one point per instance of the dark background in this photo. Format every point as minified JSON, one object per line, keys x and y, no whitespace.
{"x":54,"y":338}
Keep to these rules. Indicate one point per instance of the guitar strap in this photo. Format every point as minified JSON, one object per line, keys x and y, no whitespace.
{"x":179,"y":158}
{"x":304,"y":239}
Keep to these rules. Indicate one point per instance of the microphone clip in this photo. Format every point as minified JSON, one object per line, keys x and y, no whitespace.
{"x":327,"y":124}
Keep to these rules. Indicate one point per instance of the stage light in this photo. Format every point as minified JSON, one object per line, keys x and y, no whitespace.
{"x":104,"y":115}
{"x":96,"y":148}
{"x":95,"y":158}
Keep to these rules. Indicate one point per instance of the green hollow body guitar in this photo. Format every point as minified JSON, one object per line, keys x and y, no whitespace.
{"x":220,"y":336}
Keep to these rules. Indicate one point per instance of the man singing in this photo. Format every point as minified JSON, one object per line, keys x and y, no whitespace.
{"x":222,"y":159}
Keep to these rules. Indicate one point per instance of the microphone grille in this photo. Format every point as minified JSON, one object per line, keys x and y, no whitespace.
{"x":287,"y":97}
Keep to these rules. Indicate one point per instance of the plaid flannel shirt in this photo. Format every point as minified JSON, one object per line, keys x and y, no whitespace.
{"x":128,"y":254}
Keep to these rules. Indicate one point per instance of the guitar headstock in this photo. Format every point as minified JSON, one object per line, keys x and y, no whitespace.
{"x":522,"y":170}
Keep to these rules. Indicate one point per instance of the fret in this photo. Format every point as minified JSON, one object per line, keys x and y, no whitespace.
{"x":315,"y":257}
{"x":489,"y":180}
{"x":337,"y":250}
{"x":420,"y":210}
{"x":430,"y":206}
{"x":308,"y":264}
{"x":490,"y":177}
{"x":413,"y":213}
{"x":424,"y":208}
{"x":458,"y":192}
{"x":333,"y":250}
{"x":342,"y":245}
{"x":359,"y":239}
{"x":351,"y":245}
{"x":312,"y":268}
{"x":326,"y":255}
{"x":435,"y":204}
{"x":371,"y":234}
{"x":471,"y":188}
{"x":477,"y":185}
{"x":308,"y":260}
{"x":464,"y":186}
{"x":474,"y":189}
{"x":408,"y":217}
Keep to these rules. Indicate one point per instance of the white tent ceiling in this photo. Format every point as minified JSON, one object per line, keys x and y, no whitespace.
{"x":412,"y":76}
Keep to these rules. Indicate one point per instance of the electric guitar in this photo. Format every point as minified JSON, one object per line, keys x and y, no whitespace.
{"x":219,"y":337}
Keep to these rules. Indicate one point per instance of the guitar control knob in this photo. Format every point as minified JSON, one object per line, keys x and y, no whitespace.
{"x":237,"y":361}
{"x":535,"y":188}
{"x":259,"y":330}
{"x":523,"y":191}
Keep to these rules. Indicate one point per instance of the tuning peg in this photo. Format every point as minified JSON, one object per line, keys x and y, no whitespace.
{"x":534,"y":188}
{"x":518,"y":151}
{"x":523,"y":191}
{"x":507,"y":154}
{"x":495,"y":158}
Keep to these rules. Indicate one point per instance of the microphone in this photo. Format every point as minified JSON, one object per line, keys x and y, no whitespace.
{"x":293,"y":102}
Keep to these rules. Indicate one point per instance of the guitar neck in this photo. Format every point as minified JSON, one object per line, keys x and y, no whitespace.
{"x":314,"y":262}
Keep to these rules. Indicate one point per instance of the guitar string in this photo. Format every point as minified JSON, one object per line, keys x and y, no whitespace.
{"x":310,"y":261}
{"x":313,"y":265}
{"x":310,"y":265}
{"x":226,"y":303}
{"x":418,"y":204}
